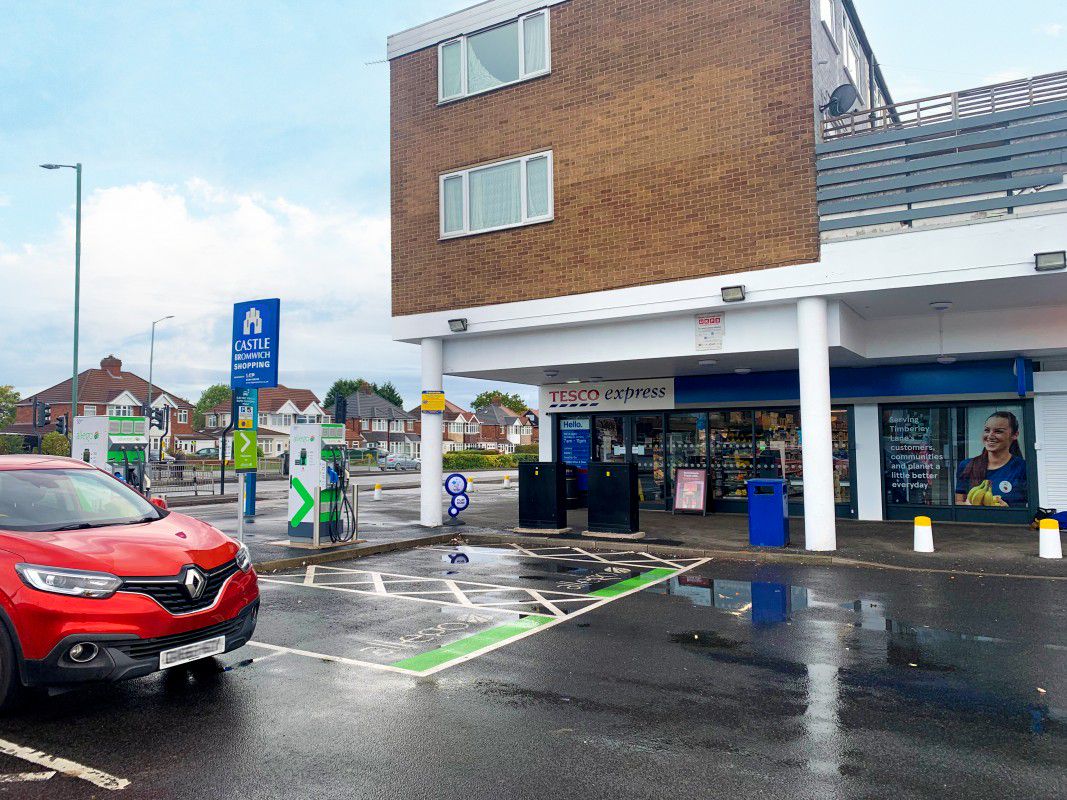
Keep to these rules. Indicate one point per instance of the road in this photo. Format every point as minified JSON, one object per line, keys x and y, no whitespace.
{"x":511,"y":673}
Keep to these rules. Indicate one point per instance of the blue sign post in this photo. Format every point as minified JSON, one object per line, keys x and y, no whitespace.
{"x":253,"y":366}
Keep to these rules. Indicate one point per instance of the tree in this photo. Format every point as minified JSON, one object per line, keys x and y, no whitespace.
{"x":389,"y":392}
{"x":55,"y":444}
{"x":9,"y":398}
{"x":512,"y":401}
{"x":342,"y":387}
{"x":209,"y":398}
{"x":10,"y":444}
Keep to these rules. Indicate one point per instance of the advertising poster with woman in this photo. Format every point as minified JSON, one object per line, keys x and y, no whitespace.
{"x":991,"y":469}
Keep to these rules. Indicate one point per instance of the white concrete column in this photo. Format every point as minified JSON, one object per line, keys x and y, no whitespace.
{"x":820,"y":524}
{"x":546,"y":436}
{"x":432,"y":435}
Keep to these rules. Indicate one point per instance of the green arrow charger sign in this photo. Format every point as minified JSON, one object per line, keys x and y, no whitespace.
{"x":308,"y":503}
{"x":245,"y":455}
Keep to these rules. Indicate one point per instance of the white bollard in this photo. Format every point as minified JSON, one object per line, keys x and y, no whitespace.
{"x":470,"y":484}
{"x":924,"y":535}
{"x":1049,"y":545}
{"x":377,"y":491}
{"x":507,"y":481}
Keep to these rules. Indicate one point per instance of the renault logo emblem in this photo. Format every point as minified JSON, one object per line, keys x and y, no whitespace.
{"x":195,"y":582}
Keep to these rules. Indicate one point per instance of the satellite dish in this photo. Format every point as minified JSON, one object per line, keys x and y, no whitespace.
{"x":842,"y":100}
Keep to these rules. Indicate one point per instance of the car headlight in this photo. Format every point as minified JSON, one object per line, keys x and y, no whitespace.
{"x":74,"y":582}
{"x":244,"y":558}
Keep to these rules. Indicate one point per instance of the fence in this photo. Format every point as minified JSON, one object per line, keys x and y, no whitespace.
{"x":946,"y":107}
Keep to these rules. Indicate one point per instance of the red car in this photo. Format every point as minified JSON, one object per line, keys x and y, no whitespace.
{"x":99,"y":584}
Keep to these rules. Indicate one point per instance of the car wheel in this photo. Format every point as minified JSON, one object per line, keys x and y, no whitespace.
{"x":11,"y":689}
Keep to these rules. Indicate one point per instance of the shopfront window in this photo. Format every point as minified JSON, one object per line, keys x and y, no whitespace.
{"x":839,"y":428}
{"x":687,"y":440}
{"x":778,"y":452}
{"x":731,"y":452}
{"x":990,"y":467}
{"x":962,"y":456}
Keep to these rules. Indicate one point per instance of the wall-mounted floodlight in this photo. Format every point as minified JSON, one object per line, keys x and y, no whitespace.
{"x":1049,"y":262}
{"x":733,"y":294}
{"x":457,"y":325}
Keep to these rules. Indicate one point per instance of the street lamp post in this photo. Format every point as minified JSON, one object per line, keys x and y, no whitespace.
{"x":151,"y":363}
{"x":77,"y":279}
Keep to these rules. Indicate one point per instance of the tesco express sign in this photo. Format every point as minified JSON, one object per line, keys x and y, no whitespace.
{"x":643,"y":395}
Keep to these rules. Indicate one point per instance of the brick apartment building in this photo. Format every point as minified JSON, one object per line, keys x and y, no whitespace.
{"x":109,"y":391}
{"x":729,"y":232}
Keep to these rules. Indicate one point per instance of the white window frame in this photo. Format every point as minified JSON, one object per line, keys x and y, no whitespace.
{"x":183,"y":416}
{"x":89,"y":411}
{"x":525,"y":220}
{"x":464,"y":51}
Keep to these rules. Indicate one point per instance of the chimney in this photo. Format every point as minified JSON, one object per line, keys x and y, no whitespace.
{"x":111,"y":365}
{"x":496,"y":401}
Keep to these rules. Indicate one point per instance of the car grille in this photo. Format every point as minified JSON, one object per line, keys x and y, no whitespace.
{"x":145,"y":648}
{"x":171,"y":593}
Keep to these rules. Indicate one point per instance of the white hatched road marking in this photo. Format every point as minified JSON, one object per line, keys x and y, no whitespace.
{"x":569,"y":554}
{"x":27,"y":777}
{"x":462,"y":593}
{"x":63,"y":766}
{"x":556,"y":620}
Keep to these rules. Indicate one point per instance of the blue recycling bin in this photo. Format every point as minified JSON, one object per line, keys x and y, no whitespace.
{"x":768,"y":513}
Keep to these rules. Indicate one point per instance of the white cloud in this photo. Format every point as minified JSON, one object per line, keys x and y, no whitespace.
{"x":1004,"y":76}
{"x":1054,"y":29}
{"x":192,"y":251}
{"x":5,"y":201}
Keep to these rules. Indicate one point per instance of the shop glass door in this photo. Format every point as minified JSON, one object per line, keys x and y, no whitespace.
{"x":648,"y":453}
{"x":609,"y":439}
{"x":687,"y":440}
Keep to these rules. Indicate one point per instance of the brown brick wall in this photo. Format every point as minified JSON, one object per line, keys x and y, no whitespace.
{"x":684,"y":147}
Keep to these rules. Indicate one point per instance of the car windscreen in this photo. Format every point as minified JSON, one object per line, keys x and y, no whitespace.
{"x":68,"y":499}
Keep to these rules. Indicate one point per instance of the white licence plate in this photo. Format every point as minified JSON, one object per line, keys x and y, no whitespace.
{"x":192,"y":652}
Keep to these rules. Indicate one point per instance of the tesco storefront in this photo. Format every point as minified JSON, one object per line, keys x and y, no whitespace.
{"x":955,"y":442}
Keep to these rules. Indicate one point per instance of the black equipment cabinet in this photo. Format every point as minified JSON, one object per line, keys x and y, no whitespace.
{"x":542,"y":495}
{"x":613,"y":498}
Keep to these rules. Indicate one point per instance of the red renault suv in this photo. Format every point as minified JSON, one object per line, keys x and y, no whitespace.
{"x":99,"y":584}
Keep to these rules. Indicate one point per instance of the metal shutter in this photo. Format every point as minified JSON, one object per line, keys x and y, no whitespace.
{"x":1051,"y":413}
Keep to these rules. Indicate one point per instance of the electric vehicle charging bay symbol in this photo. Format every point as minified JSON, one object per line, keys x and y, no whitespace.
{"x":460,"y":502}
{"x":455,"y":484}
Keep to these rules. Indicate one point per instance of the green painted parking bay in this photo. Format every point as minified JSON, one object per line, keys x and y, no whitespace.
{"x":426,"y":610}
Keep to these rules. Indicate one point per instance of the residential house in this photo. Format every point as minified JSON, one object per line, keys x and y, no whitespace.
{"x":373,"y":422}
{"x":110,"y":391}
{"x":279,"y":409}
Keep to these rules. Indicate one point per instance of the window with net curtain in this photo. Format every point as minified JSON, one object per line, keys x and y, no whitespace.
{"x":495,"y":57}
{"x":513,"y":192}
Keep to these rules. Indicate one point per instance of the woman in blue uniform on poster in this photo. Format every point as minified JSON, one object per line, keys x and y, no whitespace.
{"x":996,"y":477}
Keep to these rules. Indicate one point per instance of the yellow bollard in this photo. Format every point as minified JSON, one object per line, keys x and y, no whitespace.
{"x":924,"y":535}
{"x":1049,"y":544}
{"x":377,"y":491}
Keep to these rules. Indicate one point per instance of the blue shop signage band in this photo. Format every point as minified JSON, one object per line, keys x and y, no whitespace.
{"x":254,"y":363}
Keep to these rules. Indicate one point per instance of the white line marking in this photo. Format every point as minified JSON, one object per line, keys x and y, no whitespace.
{"x":62,"y":765}
{"x":309,"y":576}
{"x":556,"y":611}
{"x":26,"y":777}
{"x":379,"y":584}
{"x":328,"y":587}
{"x":337,"y":659}
{"x":463,"y":599}
{"x":557,"y":621}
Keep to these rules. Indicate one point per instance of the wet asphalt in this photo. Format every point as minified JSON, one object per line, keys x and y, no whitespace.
{"x":728,"y":680}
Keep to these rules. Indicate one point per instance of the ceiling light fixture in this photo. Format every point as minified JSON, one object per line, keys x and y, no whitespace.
{"x":457,"y":325}
{"x":551,"y":373}
{"x":573,"y":381}
{"x":941,"y":306}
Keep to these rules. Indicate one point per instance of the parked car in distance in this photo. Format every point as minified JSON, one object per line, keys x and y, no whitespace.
{"x":207,"y":452}
{"x":99,"y":584}
{"x":398,"y":463}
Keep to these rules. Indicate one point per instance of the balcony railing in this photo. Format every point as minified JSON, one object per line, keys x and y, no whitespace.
{"x":946,"y":107}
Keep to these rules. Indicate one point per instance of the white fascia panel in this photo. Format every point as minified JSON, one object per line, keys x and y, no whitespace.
{"x":928,"y":258}
{"x":469,"y":20}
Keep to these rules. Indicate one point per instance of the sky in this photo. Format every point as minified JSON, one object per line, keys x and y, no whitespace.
{"x":235,"y":150}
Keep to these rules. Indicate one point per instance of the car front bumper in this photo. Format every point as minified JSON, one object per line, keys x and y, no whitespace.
{"x":122,"y":656}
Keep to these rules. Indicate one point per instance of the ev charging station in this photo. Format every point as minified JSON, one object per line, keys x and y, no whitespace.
{"x":118,"y":445}
{"x":322,"y":502}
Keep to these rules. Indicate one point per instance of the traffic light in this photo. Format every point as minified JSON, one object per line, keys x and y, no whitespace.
{"x":61,"y":425}
{"x":42,"y":414}
{"x":159,"y":418}
{"x":340,"y":410}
